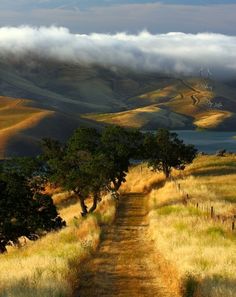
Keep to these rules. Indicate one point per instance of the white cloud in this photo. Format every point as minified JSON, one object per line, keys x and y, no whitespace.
{"x":169,"y":53}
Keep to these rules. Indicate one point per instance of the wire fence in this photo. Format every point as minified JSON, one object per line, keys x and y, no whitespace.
{"x":208,"y":209}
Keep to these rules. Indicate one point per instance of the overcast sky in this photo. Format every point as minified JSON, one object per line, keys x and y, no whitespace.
{"x":132,"y":16}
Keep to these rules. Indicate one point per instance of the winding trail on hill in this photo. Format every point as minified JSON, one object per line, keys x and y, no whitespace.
{"x":194,"y":96}
{"x":125,"y":264}
{"x":195,"y":99}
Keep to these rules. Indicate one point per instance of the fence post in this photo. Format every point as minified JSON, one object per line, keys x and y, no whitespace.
{"x":212,"y":212}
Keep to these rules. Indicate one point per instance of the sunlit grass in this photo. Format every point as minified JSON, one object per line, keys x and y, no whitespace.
{"x":141,"y":179}
{"x":203,"y":250}
{"x":50,"y":266}
{"x":212,"y":118}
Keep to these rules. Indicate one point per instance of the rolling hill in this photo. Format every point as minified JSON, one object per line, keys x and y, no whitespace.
{"x":186,"y":103}
{"x":147,"y":118}
{"x":64,"y":96}
{"x":15,"y":117}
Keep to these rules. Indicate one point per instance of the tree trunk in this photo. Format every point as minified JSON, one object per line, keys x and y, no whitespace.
{"x":82,"y":202}
{"x":167,"y":174}
{"x":83,"y":206}
{"x":95,"y":202}
{"x":166,"y":170}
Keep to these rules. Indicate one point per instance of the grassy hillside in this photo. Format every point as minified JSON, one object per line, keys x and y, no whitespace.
{"x":16,"y":116}
{"x":92,"y":95}
{"x":67,"y":90}
{"x":201,"y":247}
{"x":74,"y":89}
{"x":197,"y":249}
{"x":147,"y":117}
{"x":50,"y":266}
{"x":180,"y":104}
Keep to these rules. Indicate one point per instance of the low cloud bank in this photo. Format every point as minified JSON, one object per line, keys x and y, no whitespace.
{"x":172,"y":53}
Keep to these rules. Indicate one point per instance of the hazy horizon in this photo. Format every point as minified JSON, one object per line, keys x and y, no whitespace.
{"x":132,"y":16}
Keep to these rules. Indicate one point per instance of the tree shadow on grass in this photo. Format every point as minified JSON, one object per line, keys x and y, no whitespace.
{"x":217,"y":286}
{"x":21,"y":288}
{"x":154,"y":185}
{"x":214,"y":172}
{"x":209,"y":286}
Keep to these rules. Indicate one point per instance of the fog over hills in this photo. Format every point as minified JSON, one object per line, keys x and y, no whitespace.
{"x":172,"y":53}
{"x":147,"y":81}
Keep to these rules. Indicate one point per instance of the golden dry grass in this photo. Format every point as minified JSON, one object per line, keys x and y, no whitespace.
{"x":191,"y":248}
{"x":134,"y":118}
{"x":179,"y":102}
{"x":172,"y":106}
{"x":16,"y":116}
{"x":202,"y":249}
{"x":141,"y":179}
{"x":139,"y":117}
{"x":212,"y":119}
{"x":50,"y":266}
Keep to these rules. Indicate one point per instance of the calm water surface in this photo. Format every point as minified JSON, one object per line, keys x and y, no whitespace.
{"x":209,"y":142}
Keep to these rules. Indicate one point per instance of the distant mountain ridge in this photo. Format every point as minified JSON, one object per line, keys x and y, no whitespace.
{"x":75,"y":95}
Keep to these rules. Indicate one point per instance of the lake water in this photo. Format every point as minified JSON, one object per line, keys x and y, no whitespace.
{"x":209,"y":142}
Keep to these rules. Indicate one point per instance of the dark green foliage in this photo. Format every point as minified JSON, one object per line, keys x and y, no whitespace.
{"x":24,"y":210}
{"x":165,"y":151}
{"x":32,"y":170}
{"x":77,"y":166}
{"x":91,"y":162}
{"x":84,"y":139}
{"x":47,"y":217}
{"x":119,"y":145}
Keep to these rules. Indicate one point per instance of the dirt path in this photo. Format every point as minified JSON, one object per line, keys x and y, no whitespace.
{"x":124,"y":264}
{"x":195,"y":99}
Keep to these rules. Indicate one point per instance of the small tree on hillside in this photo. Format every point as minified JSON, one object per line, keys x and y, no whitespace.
{"x":166,"y":151}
